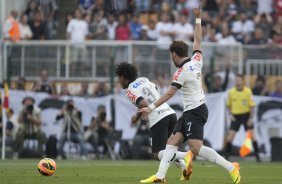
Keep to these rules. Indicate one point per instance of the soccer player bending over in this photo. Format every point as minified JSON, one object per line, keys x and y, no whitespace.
{"x":190,"y":127}
{"x":141,"y":92}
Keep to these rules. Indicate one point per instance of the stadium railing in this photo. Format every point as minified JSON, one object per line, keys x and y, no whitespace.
{"x":66,"y":61}
{"x":263,"y":67}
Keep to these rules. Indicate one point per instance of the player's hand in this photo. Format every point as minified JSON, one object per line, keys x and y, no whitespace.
{"x":197,"y":12}
{"x":134,"y":120}
{"x":145,"y":113}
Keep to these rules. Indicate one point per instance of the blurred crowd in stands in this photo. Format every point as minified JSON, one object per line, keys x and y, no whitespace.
{"x":224,"y":21}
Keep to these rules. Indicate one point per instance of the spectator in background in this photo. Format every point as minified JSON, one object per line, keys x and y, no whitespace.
{"x":111,"y":27}
{"x":48,"y":9}
{"x":151,"y":32}
{"x":30,"y":126}
{"x":211,"y":6}
{"x":277,"y":27}
{"x":278,"y":7}
{"x":84,"y":90}
{"x":64,"y":90}
{"x":260,"y":87}
{"x":71,"y":128}
{"x":264,"y":6}
{"x":20,"y":83}
{"x":103,"y":127}
{"x":258,"y":38}
{"x":91,"y":135}
{"x":142,"y":5}
{"x":11,"y":28}
{"x":264,"y":22}
{"x":122,"y":29}
{"x":38,"y":27}
{"x":44,"y":84}
{"x":248,"y":7}
{"x":225,"y":36}
{"x":77,"y":29}
{"x":100,"y":90}
{"x":86,"y":6}
{"x":31,"y":10}
{"x":144,"y":33}
{"x":183,"y":30}
{"x":278,"y":89}
{"x":164,"y":30}
{"x":135,"y":27}
{"x":99,"y":27}
{"x":242,"y":27}
{"x":25,"y":30}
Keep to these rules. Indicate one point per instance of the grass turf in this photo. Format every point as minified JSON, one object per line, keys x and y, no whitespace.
{"x":130,"y":172}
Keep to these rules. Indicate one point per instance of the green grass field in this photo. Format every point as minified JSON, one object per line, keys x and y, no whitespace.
{"x":130,"y":172}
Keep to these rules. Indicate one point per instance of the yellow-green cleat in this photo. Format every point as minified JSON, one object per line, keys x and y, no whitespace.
{"x":235,"y":174}
{"x":187,"y":173}
{"x":153,"y":179}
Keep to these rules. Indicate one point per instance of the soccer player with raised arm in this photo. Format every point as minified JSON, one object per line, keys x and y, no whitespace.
{"x":190,"y":127}
{"x":141,"y":92}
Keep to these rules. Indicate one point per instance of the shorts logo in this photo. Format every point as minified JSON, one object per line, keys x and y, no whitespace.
{"x":177,"y":73}
{"x":188,"y":134}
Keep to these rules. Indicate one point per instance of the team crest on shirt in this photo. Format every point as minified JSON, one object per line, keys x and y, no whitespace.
{"x":131,"y":96}
{"x":177,"y":73}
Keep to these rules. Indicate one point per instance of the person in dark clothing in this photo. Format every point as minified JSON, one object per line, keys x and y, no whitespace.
{"x":260,"y":87}
{"x":214,"y":83}
{"x":37,"y":27}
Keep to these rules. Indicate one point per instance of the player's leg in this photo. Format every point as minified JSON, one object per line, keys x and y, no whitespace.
{"x":234,"y":127}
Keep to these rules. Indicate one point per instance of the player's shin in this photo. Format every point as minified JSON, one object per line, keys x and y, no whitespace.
{"x":178,"y":161}
{"x":168,"y":157}
{"x":215,"y":158}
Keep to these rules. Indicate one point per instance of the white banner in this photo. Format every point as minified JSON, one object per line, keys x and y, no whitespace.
{"x":51,"y":106}
{"x":268,"y":115}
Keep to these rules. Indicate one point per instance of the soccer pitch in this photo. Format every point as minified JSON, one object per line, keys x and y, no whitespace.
{"x":130,"y":172}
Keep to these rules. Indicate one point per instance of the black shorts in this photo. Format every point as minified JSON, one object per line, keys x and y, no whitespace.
{"x":241,"y":119}
{"x":161,"y":131}
{"x":191,"y":124}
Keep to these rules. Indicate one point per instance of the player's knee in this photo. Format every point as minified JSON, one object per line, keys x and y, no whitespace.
{"x":195,"y":147}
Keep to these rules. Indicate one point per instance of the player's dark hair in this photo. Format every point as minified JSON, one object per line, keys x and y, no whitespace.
{"x":180,"y":48}
{"x":127,"y":71}
{"x":240,"y":76}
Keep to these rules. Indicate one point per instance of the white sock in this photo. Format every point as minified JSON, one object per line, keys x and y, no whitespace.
{"x":168,"y":156}
{"x":178,"y":161}
{"x":215,"y":158}
{"x":179,"y":155}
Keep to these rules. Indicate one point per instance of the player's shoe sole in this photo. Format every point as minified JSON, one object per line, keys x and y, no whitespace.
{"x":235,"y":174}
{"x":187,"y":173}
{"x":153,"y":179}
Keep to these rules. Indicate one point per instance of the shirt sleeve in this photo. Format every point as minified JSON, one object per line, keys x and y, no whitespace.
{"x":197,"y":55}
{"x":179,"y":78}
{"x":134,"y":95}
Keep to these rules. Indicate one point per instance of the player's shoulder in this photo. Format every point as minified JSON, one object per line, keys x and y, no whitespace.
{"x":232,"y":90}
{"x":247,"y":89}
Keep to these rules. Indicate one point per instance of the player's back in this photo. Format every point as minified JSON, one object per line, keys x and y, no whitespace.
{"x":142,"y":88}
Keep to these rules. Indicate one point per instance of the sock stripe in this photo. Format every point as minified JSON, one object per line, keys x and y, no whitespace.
{"x":173,"y":157}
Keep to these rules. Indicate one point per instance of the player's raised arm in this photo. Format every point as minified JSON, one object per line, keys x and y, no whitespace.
{"x":198,"y":30}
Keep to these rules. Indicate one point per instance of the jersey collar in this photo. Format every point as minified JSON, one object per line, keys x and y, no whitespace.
{"x":184,"y":62}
